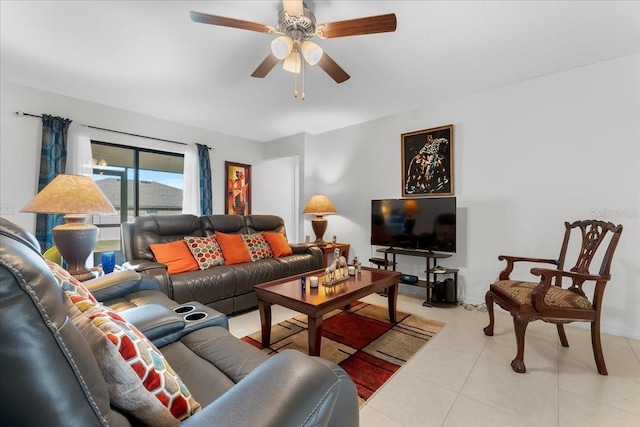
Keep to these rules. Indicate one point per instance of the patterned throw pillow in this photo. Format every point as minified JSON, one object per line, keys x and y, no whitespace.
{"x":139,"y":379}
{"x":257,"y":246}
{"x":206,"y":251}
{"x":72,"y":287}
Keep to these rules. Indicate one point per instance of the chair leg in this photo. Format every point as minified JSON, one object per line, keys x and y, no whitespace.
{"x":520,"y":325}
{"x":597,"y":347}
{"x":488,"y":299}
{"x":562,"y":335}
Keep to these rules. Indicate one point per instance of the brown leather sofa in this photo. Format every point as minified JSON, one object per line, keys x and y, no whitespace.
{"x":51,"y":375}
{"x":226,"y":288}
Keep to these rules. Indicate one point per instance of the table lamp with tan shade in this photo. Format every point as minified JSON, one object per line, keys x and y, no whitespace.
{"x":75,"y":196}
{"x":319,"y":205}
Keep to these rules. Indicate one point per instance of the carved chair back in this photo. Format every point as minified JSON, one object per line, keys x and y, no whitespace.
{"x":593,"y":233}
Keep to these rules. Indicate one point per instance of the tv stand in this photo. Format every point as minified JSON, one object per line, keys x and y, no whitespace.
{"x":429,"y":255}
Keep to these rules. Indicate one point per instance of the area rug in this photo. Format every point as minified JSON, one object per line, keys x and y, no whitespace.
{"x":360,"y":340}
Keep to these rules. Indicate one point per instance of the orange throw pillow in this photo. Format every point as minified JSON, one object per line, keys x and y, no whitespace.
{"x":278,"y":243}
{"x":176,"y":255}
{"x":233,"y":248}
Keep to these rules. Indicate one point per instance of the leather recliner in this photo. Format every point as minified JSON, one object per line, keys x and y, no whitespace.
{"x":49,"y":375}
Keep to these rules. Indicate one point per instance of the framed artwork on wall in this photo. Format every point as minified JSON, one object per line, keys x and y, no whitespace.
{"x":238,"y":183}
{"x":427,"y":162}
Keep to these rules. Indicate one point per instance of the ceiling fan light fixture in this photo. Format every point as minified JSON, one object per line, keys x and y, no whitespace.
{"x":312,"y":52}
{"x":281,"y":47}
{"x":292,"y":62}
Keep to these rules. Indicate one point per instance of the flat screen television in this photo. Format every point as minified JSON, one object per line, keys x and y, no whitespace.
{"x":427,"y":224}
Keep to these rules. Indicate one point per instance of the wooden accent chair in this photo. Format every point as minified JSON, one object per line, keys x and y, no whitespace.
{"x":529,"y":301}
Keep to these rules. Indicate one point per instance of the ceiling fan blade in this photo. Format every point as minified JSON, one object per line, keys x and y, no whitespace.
{"x":265,"y":66}
{"x":293,"y":7}
{"x":356,"y":27}
{"x":222,"y":21}
{"x":333,"y":69}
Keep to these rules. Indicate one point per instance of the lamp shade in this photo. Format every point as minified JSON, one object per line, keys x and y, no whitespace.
{"x":319,"y":205}
{"x":70,"y":194}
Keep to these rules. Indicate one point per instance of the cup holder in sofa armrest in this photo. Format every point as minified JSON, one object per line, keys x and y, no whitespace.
{"x":194,"y":317}
{"x":200,"y":316}
{"x":154,"y":320}
{"x":184,"y":309}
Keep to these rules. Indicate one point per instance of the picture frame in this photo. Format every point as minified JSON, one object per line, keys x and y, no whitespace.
{"x":238,"y":188}
{"x":427,"y":162}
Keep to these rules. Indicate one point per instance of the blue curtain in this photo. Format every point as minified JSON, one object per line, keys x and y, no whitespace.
{"x":206,"y":194}
{"x":53,"y":159}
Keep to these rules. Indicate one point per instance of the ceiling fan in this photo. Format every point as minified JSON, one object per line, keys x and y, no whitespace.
{"x":296,"y":26}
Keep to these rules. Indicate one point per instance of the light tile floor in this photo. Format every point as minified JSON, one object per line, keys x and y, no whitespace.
{"x":463,"y":378}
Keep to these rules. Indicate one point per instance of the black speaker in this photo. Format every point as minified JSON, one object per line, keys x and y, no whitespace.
{"x":438,"y":292}
{"x":444,"y":292}
{"x":409,"y":278}
{"x":449,"y":291}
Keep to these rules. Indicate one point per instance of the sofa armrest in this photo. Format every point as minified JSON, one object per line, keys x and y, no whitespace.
{"x":289,"y":389}
{"x":120,"y":283}
{"x":153,"y":269}
{"x":141,"y":265}
{"x":309,"y":248}
{"x":154,"y":320}
{"x":196,"y":316}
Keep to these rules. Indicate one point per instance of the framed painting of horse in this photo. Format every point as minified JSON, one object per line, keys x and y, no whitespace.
{"x":427,"y":162}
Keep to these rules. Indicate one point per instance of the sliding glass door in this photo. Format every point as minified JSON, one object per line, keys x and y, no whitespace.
{"x":137,"y":182}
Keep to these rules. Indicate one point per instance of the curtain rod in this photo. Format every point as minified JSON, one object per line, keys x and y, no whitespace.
{"x":21,"y":113}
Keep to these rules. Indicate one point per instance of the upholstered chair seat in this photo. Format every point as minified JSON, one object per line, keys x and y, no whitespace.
{"x":522,"y":293}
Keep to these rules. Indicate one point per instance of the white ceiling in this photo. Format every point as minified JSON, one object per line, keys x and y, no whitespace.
{"x":149,"y":57}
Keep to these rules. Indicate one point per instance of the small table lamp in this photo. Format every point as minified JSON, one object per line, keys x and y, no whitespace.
{"x":75,"y":196}
{"x":319,"y":205}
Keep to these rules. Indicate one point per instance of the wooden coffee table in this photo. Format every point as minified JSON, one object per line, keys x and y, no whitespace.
{"x":316,"y":302}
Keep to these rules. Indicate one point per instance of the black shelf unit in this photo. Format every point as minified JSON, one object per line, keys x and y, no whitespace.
{"x":431,"y":261}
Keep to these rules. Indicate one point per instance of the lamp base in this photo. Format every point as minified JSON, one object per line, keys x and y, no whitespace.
{"x":319,"y":225}
{"x":75,"y":240}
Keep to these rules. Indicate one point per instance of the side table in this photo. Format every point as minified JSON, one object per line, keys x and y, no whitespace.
{"x":328,"y":249}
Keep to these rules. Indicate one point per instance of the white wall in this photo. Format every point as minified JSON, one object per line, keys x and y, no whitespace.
{"x":528,"y":157}
{"x":20,"y":142}
{"x":275,"y":189}
{"x":292,"y":148}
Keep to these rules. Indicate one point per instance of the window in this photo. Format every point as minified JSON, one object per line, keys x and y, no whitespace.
{"x":137,"y":182}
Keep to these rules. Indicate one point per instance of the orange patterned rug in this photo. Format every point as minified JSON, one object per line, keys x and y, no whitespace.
{"x":361,"y":341}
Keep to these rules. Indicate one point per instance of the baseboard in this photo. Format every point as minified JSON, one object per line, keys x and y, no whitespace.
{"x":582,"y":325}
